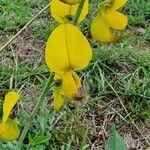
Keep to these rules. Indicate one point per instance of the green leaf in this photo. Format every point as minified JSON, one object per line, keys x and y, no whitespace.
{"x":40,"y":139}
{"x":115,"y":142}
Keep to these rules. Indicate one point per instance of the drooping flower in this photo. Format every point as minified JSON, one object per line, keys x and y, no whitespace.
{"x":60,"y":10}
{"x":8,"y":127}
{"x":70,"y":2}
{"x":61,"y":89}
{"x":109,"y":18}
{"x":67,"y":50}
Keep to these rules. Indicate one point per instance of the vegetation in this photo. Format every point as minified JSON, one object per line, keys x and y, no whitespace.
{"x":117,"y":81}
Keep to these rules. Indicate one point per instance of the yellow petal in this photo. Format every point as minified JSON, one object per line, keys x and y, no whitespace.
{"x":57,"y":77}
{"x":116,"y":20}
{"x":10,"y":100}
{"x":58,"y":100}
{"x":76,"y":79}
{"x":69,"y":85}
{"x":60,"y":10}
{"x":116,"y":4}
{"x":9,"y":130}
{"x":70,"y":2}
{"x":67,"y":49}
{"x":100,"y":31}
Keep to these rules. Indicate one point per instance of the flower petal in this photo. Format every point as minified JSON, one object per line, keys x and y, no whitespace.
{"x":60,"y":10}
{"x":69,"y":85}
{"x":76,"y":79}
{"x":67,"y":49}
{"x":116,"y":4}
{"x":70,"y":2}
{"x":9,"y":130}
{"x":116,"y":20}
{"x":10,"y":100}
{"x":101,"y":31}
{"x":58,"y":100}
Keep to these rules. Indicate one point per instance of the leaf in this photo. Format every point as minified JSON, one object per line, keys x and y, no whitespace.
{"x":43,"y":121}
{"x":40,"y":139}
{"x":115,"y":142}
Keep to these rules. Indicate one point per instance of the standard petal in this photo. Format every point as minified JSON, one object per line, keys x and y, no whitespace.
{"x":69,"y":85}
{"x":67,"y":49}
{"x":10,"y":100}
{"x":58,"y":100}
{"x":116,"y":4}
{"x":9,"y":130}
{"x":60,"y":10}
{"x":116,"y":20}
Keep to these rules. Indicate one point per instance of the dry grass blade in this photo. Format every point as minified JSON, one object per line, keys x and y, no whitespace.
{"x":132,"y":121}
{"x":19,"y":32}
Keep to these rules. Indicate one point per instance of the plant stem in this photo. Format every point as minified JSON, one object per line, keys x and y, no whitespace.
{"x":78,"y":13}
{"x":34,"y":112}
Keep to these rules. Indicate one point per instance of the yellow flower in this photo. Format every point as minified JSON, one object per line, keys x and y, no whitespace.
{"x":107,"y":18}
{"x":60,"y":10}
{"x":68,"y":88}
{"x":70,"y":2}
{"x":8,"y":128}
{"x":67,"y":50}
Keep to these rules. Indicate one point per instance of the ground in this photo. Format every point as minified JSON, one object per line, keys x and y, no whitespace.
{"x":117,"y":81}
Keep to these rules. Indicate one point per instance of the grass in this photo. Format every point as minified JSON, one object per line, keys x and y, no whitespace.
{"x":118,"y":71}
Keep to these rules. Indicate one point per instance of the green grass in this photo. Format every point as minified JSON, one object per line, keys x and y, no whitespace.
{"x":14,"y":14}
{"x":122,"y":68}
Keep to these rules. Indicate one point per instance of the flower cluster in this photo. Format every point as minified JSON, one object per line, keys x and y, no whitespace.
{"x":8,"y":127}
{"x":67,"y":51}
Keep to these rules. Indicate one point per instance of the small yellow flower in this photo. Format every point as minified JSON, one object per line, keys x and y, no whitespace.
{"x":68,"y":87}
{"x":67,"y":50}
{"x":8,"y":128}
{"x":60,"y":10}
{"x":107,"y":18}
{"x":70,"y":2}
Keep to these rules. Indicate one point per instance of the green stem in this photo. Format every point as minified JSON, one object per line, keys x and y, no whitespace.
{"x":34,"y":112}
{"x":78,"y":13}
